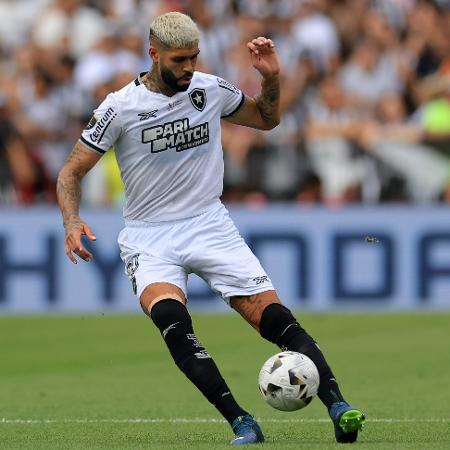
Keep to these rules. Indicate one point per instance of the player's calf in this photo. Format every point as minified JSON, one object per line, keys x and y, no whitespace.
{"x":279,"y":326}
{"x":251,"y":307}
{"x":175,"y":324}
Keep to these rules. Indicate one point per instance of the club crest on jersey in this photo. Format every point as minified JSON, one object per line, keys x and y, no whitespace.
{"x":198,"y":98}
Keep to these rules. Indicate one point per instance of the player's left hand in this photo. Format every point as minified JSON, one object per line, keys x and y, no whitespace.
{"x":264,"y":57}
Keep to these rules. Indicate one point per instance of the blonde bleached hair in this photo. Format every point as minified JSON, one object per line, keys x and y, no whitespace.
{"x":174,"y":30}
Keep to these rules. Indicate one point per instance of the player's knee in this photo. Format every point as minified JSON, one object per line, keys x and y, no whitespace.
{"x":168,"y":312}
{"x":276,"y":319}
{"x":146,"y":305}
{"x":148,"y":302}
{"x":251,"y":308}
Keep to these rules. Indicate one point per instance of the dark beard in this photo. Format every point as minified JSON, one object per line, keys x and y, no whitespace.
{"x":172,"y":82}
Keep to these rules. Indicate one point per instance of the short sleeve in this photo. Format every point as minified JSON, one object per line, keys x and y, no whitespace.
{"x":231,"y":97}
{"x":104,"y":128}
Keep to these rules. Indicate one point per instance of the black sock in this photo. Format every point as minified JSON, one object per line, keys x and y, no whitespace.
{"x":175,"y":325}
{"x":279,"y":326}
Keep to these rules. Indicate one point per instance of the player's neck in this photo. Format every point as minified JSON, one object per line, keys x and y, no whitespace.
{"x":153,"y":82}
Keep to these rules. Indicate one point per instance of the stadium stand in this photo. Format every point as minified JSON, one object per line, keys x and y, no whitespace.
{"x":365,"y":98}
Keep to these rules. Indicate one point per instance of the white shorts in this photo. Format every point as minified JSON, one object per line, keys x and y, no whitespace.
{"x":208,"y":245}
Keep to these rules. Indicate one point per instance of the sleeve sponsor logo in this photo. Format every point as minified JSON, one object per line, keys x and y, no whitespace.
{"x":177,"y":134}
{"x":100,"y":126}
{"x":229,"y":86}
{"x":262,"y":279}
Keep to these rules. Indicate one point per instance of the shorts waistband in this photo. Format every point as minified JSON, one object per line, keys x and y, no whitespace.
{"x":145,"y":223}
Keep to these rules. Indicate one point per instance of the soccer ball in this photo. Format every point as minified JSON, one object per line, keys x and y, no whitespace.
{"x":288,"y":381}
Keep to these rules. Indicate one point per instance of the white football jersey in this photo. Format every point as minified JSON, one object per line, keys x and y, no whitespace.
{"x":168,"y":149}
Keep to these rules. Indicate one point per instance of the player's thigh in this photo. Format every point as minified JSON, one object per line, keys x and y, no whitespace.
{"x":251,"y":307}
{"x":156,"y":292}
{"x":221,"y":257}
{"x":154,"y":271}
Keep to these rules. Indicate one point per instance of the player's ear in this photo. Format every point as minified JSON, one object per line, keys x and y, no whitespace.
{"x":153,"y":53}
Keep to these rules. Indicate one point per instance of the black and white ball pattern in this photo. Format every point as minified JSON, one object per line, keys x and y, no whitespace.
{"x":288,"y":381}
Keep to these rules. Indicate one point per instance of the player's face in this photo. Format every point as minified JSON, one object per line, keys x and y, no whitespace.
{"x":177,"y":66}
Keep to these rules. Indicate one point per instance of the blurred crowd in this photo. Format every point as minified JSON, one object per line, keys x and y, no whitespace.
{"x":365,"y":94}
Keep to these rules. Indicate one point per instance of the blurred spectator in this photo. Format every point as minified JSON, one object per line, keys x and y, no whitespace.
{"x":102,"y":185}
{"x":114,"y":54}
{"x":434,"y":113}
{"x":369,"y":74}
{"x":69,"y":24}
{"x":332,"y":128}
{"x":316,"y":34}
{"x":398,"y":142}
{"x":425,"y":21}
{"x":18,"y":174}
{"x":44,"y":124}
{"x":365,"y":95}
{"x":16,"y":19}
{"x":218,"y":33}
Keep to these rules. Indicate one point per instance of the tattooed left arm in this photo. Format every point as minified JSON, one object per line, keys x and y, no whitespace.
{"x":263,"y":111}
{"x":268,"y":101}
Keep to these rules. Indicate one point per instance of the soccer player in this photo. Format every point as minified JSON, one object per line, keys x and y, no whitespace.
{"x":165,"y":128}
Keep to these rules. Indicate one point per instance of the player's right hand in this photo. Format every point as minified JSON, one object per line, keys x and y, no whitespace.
{"x":74,"y":230}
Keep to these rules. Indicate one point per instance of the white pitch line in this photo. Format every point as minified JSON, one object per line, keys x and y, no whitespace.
{"x":6,"y":421}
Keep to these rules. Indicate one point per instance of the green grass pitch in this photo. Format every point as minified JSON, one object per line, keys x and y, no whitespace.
{"x":107,"y":382}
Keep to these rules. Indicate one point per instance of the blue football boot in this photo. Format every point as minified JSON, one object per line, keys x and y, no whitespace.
{"x":347,"y":422}
{"x":247,"y":431}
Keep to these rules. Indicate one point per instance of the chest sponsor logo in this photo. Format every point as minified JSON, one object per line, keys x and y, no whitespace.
{"x":100,"y":126}
{"x":177,"y":134}
{"x":198,"y":99}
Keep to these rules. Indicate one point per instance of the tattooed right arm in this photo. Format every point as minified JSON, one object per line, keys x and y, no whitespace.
{"x":68,"y":191}
{"x":68,"y":187}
